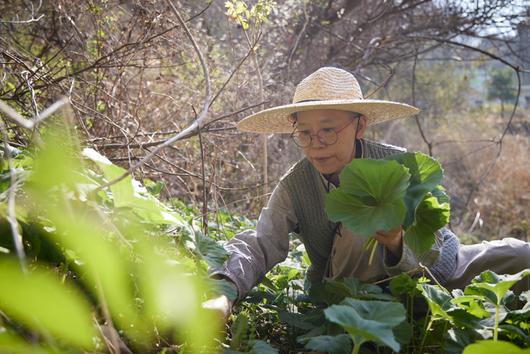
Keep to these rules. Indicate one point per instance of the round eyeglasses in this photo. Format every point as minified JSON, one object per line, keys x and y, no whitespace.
{"x":326,"y":136}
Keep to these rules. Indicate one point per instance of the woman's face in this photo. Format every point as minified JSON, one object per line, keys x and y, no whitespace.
{"x":329,"y":159}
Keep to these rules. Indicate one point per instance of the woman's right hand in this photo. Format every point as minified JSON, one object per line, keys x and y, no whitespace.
{"x":220,"y":304}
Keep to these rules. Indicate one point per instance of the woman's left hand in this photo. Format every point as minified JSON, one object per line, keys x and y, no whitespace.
{"x":392,"y":240}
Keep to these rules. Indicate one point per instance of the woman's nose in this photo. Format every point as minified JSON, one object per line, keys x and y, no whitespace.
{"x":316,"y":142}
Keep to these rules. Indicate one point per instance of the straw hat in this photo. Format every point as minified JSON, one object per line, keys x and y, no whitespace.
{"x":326,"y":88}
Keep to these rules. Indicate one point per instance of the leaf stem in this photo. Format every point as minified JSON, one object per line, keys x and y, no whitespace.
{"x":496,"y":327}
{"x":425,"y":332}
{"x":372,"y":252}
{"x":355,"y":349}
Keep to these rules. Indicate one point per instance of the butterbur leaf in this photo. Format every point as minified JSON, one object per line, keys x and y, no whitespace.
{"x":439,"y":301}
{"x":370,"y":197}
{"x":340,"y":344}
{"x":514,"y":331}
{"x":493,"y":286}
{"x":425,"y":174}
{"x":472,"y":304}
{"x":430,"y":217}
{"x":494,"y":347}
{"x":439,"y":193}
{"x":41,"y":302}
{"x":368,"y":320}
{"x":212,"y":252}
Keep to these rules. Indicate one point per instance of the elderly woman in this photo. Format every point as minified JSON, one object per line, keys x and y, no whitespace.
{"x":327,"y":120}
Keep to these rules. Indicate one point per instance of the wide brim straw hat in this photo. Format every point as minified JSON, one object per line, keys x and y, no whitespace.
{"x":326,"y":88}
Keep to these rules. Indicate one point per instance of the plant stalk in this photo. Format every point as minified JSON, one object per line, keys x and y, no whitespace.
{"x":355,"y":349}
{"x":425,"y":335}
{"x":496,"y":327}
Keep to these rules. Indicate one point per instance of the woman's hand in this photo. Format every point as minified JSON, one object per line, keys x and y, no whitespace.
{"x":221,"y":304}
{"x":392,"y":240}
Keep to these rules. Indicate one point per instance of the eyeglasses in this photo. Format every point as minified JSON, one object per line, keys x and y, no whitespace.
{"x":326,"y":136}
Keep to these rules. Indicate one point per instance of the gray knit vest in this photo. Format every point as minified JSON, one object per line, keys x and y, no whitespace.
{"x":307,"y":192}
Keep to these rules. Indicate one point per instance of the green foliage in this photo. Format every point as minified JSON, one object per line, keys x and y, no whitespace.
{"x":239,"y":12}
{"x":425,"y":174}
{"x":493,"y":288}
{"x":56,"y":309}
{"x":491,"y":347}
{"x":429,"y":217}
{"x":402,"y":190}
{"x":99,"y":254}
{"x":370,"y":197}
{"x":453,"y":320}
{"x":368,"y":321}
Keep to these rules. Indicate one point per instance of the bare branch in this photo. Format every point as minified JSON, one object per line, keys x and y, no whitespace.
{"x":16,"y":118}
{"x":192,"y":129}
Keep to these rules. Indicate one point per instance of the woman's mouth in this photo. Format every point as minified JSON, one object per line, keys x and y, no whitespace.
{"x":322,"y":159}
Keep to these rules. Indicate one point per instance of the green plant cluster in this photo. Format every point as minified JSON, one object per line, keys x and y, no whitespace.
{"x":99,"y":257}
{"x":405,"y":315}
{"x":401,"y":190}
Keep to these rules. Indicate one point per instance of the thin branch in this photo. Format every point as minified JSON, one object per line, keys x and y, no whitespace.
{"x":200,"y":12}
{"x":298,"y":38}
{"x":24,"y":21}
{"x":16,"y":118}
{"x":205,"y":129}
{"x":416,"y":118}
{"x":204,"y":192}
{"x":467,"y":46}
{"x":383,"y":84}
{"x":250,"y":51}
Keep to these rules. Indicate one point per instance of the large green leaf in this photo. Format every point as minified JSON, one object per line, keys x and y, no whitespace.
{"x":439,"y":301}
{"x":104,"y":269}
{"x":211,"y":251}
{"x":129,"y":193}
{"x":430,"y":217}
{"x":494,"y":347}
{"x":493,"y":286}
{"x":368,"y":320}
{"x":370,"y":197}
{"x":425,"y":174}
{"x":43,"y":303}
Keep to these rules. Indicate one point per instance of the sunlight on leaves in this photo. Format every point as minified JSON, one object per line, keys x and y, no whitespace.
{"x":55,"y":308}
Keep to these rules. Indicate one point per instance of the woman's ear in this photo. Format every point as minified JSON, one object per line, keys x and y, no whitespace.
{"x":361,"y":127}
